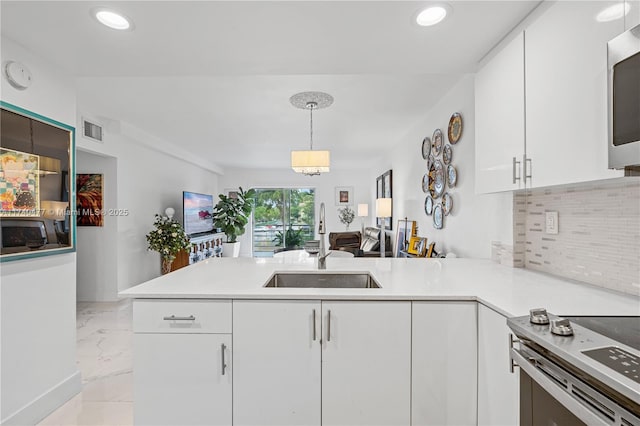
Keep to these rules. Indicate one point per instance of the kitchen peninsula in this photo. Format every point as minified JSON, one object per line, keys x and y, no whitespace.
{"x":213,"y":345}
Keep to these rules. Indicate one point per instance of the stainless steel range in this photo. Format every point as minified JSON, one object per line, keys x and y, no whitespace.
{"x":577,"y":370}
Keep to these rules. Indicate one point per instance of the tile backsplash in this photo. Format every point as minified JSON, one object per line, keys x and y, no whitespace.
{"x":599,"y":233}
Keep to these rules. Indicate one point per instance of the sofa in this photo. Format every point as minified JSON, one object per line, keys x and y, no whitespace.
{"x":351,"y":241}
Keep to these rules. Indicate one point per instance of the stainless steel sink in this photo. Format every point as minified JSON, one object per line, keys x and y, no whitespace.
{"x":322,"y":280}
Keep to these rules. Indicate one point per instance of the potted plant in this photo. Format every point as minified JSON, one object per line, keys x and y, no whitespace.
{"x":292,"y":238}
{"x":168,"y":238}
{"x":231,"y":214}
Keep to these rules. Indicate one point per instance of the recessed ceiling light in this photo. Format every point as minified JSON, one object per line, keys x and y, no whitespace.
{"x":613,"y":12}
{"x":431,"y":15}
{"x":112,"y":19}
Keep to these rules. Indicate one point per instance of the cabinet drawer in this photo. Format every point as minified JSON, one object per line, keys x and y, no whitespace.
{"x":182,"y":316}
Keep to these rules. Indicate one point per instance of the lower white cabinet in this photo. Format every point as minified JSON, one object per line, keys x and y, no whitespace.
{"x":366,"y":363}
{"x":444,"y":363}
{"x":498,"y":388}
{"x":329,"y":363}
{"x":179,"y":379}
{"x":276,"y":362}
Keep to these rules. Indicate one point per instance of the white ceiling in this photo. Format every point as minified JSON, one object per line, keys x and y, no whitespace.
{"x":215,"y":77}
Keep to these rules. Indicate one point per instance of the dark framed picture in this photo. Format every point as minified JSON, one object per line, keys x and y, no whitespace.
{"x":344,"y":195}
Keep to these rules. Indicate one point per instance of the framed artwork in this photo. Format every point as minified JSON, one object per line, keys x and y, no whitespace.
{"x":417,"y":246}
{"x":344,"y":195}
{"x":19,"y":183}
{"x":89,"y":199}
{"x":404,"y":231}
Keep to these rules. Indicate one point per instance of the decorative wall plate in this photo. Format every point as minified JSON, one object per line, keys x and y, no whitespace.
{"x":430,"y":160}
{"x":425,"y":183}
{"x":426,"y":147}
{"x":452,"y":176}
{"x":437,"y":142}
{"x":428,"y":205}
{"x":436,"y":179}
{"x":447,"y":154}
{"x":437,"y":216}
{"x":454,"y":132}
{"x":447,"y":203}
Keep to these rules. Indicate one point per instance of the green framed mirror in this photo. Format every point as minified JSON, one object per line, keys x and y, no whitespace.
{"x":37,"y":185}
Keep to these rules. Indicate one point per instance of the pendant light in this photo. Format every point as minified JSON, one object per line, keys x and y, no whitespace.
{"x":311,"y":163}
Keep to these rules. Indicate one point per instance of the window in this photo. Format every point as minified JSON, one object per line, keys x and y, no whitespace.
{"x":283,"y":219}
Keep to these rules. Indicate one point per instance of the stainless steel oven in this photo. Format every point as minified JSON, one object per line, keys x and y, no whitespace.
{"x":623,"y":64}
{"x":577,"y":370}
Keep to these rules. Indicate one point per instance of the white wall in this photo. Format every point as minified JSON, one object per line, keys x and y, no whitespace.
{"x":324,"y":185}
{"x":37,"y":296}
{"x":97,"y":250}
{"x":476,"y":220}
{"x":150,"y":178}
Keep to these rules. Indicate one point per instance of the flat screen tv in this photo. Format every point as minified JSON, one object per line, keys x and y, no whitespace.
{"x":197,"y":213}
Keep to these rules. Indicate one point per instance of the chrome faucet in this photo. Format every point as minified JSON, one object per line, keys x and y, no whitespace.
{"x":322,"y":253}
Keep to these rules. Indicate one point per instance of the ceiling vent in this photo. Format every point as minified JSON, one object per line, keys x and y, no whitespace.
{"x":91,"y":130}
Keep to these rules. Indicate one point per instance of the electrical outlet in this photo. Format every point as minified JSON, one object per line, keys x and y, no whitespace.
{"x":551,"y":220}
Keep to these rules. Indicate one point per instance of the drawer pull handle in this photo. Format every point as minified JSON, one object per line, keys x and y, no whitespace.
{"x":224,"y":364}
{"x":175,"y":318}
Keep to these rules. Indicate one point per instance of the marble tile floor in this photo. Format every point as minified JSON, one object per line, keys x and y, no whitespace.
{"x":104,"y":354}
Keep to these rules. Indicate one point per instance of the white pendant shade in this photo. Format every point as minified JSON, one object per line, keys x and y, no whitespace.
{"x":310,"y":162}
{"x":383,"y":207}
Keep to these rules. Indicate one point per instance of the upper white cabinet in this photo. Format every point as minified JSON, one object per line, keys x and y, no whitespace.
{"x":444,"y":363}
{"x":566,"y":94}
{"x":499,"y":99}
{"x":633,"y":18}
{"x":543,"y":100}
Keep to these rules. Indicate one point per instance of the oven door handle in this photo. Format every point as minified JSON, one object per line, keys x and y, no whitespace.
{"x":528,"y":365}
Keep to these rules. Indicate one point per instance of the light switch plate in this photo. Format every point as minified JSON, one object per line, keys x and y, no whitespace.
{"x":551,"y":221}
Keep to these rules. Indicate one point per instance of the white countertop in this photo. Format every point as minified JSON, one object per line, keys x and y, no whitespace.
{"x":510,"y":291}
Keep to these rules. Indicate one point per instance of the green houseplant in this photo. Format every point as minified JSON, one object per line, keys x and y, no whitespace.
{"x":231,"y":214}
{"x":291,"y":238}
{"x":167,"y":238}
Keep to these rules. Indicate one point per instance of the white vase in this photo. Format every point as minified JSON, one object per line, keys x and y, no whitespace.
{"x":231,"y":249}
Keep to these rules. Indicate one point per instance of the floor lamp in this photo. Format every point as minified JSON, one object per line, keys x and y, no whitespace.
{"x":363,"y":211}
{"x":383,"y":211}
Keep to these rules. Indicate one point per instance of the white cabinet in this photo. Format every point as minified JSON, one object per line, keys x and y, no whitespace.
{"x":359,"y":375}
{"x":179,"y":379}
{"x":182,"y":362}
{"x":277,"y":362}
{"x":566,"y":94}
{"x":366,"y":363}
{"x":499,"y":109}
{"x":444,"y":363}
{"x":633,"y":18}
{"x":498,"y":388}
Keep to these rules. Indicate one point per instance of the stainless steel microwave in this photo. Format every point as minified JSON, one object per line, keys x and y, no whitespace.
{"x":623,"y":63}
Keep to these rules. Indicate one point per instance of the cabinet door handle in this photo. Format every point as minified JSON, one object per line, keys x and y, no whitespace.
{"x":224,"y":365}
{"x":175,"y":318}
{"x":527,"y":175}
{"x":328,"y":325}
{"x":515,"y":166}
{"x":314,"y":325}
{"x":512,"y":363}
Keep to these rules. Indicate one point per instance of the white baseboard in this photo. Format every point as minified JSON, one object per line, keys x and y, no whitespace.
{"x":46,"y":403}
